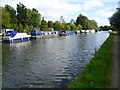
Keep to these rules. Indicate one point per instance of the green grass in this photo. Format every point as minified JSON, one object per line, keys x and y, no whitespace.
{"x":97,"y":73}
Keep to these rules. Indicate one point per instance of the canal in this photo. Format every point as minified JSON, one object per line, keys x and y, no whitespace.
{"x":48,"y":63}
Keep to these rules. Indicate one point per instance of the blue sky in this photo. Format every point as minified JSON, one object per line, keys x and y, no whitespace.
{"x":99,"y":10}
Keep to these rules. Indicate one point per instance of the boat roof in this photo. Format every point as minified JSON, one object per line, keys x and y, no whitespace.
{"x":12,"y":31}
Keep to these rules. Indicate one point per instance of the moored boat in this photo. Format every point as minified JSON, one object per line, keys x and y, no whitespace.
{"x":12,"y":36}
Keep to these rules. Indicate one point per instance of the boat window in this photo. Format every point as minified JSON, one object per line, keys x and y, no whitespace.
{"x":13,"y":35}
{"x":8,"y":34}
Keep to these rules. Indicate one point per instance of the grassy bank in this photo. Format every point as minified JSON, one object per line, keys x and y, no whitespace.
{"x":97,"y":73}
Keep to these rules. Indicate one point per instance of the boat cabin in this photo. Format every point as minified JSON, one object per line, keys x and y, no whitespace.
{"x":35,"y":32}
{"x":11,"y":33}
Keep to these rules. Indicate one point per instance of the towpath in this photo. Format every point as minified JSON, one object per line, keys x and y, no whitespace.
{"x":116,"y":63}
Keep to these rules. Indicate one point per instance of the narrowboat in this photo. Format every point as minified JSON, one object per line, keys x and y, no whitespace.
{"x":35,"y":32}
{"x":12,"y":36}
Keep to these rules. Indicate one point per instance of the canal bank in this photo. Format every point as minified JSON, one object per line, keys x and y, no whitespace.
{"x":97,"y":74}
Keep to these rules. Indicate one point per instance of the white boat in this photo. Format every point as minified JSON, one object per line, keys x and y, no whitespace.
{"x":110,"y":31}
{"x":15,"y":36}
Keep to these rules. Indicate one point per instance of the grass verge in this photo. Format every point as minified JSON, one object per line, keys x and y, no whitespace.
{"x":97,"y":73}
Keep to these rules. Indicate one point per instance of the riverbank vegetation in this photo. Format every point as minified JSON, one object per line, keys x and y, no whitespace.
{"x":115,"y":21}
{"x":24,"y":19}
{"x":97,"y":73}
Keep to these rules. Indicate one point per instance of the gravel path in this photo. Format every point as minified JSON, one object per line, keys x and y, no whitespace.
{"x":116,"y":63}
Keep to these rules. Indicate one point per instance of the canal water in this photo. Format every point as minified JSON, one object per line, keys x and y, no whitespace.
{"x":48,"y":63}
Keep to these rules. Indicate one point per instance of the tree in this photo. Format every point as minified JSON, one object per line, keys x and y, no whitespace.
{"x":86,"y":23}
{"x":93,"y":24}
{"x":5,"y":18}
{"x":115,"y":20}
{"x":12,"y":14}
{"x":44,"y":26}
{"x":105,"y":28}
{"x":15,"y":26}
{"x":50,"y":24}
{"x":79,"y":26}
{"x":67,"y":27}
{"x":73,"y":27}
{"x":36,"y":17}
{"x":57,"y":26}
{"x":83,"y":20}
{"x":21,"y":14}
{"x":29,"y":20}
{"x":20,"y":28}
{"x":62,"y":20}
{"x":26,"y":19}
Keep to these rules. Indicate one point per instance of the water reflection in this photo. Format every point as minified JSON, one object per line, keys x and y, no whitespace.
{"x":46,"y":63}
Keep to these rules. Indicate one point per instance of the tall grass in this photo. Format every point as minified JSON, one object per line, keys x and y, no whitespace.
{"x":97,"y":73}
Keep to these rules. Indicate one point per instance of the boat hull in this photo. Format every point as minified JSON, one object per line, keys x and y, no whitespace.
{"x":16,"y":39}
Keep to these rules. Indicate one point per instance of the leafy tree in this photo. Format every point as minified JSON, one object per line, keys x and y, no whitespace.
{"x":20,"y":28}
{"x":105,"y":28}
{"x":73,"y":27}
{"x":67,"y":27}
{"x":33,"y":18}
{"x":31,"y":27}
{"x":5,"y":18}
{"x":27,"y":29}
{"x":21,"y":14}
{"x":44,"y":25}
{"x":79,"y":26}
{"x":25,"y":19}
{"x":83,"y":20}
{"x":29,"y":20}
{"x":15,"y":26}
{"x":36,"y":17}
{"x":0,"y":17}
{"x":12,"y":13}
{"x":93,"y":24}
{"x":57,"y":26}
{"x":86,"y":23}
{"x":62,"y":20}
{"x":115,"y":20}
{"x":50,"y":24}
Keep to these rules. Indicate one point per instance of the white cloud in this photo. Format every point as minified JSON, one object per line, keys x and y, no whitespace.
{"x":57,"y":9}
{"x":94,"y":0}
{"x":92,"y":3}
{"x":107,"y":12}
{"x":102,"y":16}
{"x":101,"y":21}
{"x":84,"y":13}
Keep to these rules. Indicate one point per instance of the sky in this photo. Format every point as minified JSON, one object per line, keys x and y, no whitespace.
{"x":98,"y":10}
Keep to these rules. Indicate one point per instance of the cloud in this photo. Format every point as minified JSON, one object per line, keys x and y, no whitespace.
{"x":84,"y":13}
{"x":101,"y":21}
{"x":102,"y":16}
{"x":92,"y":3}
{"x":57,"y":9}
{"x":94,"y":0}
{"x":107,"y":12}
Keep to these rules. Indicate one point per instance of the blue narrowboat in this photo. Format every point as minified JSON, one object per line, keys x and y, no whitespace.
{"x":35,"y":32}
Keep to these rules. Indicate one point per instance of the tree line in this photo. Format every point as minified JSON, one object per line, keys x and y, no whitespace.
{"x":115,"y":21}
{"x":24,"y":19}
